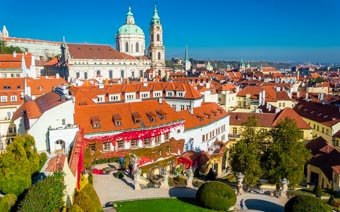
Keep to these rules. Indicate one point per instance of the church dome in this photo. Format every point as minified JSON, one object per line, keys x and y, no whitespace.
{"x":130,"y":28}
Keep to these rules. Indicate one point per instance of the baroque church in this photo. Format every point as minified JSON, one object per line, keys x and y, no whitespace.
{"x":128,"y":60}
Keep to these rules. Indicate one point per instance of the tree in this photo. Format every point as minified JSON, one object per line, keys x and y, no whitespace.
{"x":4,"y":49}
{"x":46,"y":195}
{"x":286,"y":156}
{"x":246,"y":154}
{"x":17,"y":165}
{"x":7,"y":202}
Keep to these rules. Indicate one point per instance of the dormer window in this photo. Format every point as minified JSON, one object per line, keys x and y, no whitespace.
{"x":117,"y":119}
{"x":13,"y":98}
{"x":180,"y":94}
{"x":170,"y":93}
{"x":151,"y":116}
{"x":144,"y":95}
{"x":161,"y":114}
{"x":100,"y":99}
{"x":114,"y":98}
{"x":136,"y":118}
{"x":157,"y":93}
{"x":95,"y":121}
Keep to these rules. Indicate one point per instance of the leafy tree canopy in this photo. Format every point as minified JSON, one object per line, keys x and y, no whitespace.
{"x":4,"y":49}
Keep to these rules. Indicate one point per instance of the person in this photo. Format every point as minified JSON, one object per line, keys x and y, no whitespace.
{"x":242,"y":203}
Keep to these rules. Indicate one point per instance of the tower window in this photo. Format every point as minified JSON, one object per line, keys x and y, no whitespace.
{"x":126,"y":47}
{"x":159,"y":56}
{"x":158,"y":37}
{"x":137,"y":47}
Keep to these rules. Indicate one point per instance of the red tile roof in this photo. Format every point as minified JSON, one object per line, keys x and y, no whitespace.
{"x":105,"y":112}
{"x":35,"y":108}
{"x":8,"y":61}
{"x":56,"y":163}
{"x":206,"y":114}
{"x":42,"y":85}
{"x":328,"y":115}
{"x":268,"y":119}
{"x":92,"y":51}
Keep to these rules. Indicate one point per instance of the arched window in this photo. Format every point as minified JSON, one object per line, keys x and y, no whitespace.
{"x":77,"y":75}
{"x":126,"y":47}
{"x":159,"y":56}
{"x":110,"y":74}
{"x":98,"y":73}
{"x":159,"y":73}
{"x":133,"y":74}
{"x":122,"y":73}
{"x":151,"y":37}
{"x":137,"y":47}
{"x":85,"y":75}
{"x":158,"y":37}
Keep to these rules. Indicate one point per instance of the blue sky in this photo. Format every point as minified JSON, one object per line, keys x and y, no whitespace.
{"x":276,"y":30}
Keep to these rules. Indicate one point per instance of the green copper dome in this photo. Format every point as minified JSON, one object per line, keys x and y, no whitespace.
{"x":130,"y":28}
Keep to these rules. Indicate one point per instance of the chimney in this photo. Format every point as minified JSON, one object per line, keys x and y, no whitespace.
{"x":160,"y":100}
{"x":14,"y":54}
{"x":191,"y":110}
{"x":145,"y":82}
{"x":277,"y":110}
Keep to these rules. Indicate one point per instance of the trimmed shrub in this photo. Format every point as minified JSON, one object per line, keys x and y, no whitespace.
{"x":317,"y":191}
{"x":332,"y":201}
{"x":7,"y":202}
{"x":119,"y":175}
{"x":216,"y":195}
{"x":302,"y":203}
{"x":75,"y":208}
{"x":46,"y":195}
{"x":42,"y":160}
{"x":87,"y":199}
{"x":90,"y":178}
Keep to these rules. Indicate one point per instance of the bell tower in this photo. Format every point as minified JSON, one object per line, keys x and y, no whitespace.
{"x":156,"y":48}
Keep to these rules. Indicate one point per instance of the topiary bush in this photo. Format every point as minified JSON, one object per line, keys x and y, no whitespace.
{"x":87,"y":199}
{"x":303,"y":203}
{"x":317,"y":191}
{"x":42,"y":160}
{"x":7,"y":202}
{"x":216,"y":195}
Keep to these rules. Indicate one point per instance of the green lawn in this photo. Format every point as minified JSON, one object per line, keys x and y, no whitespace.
{"x":158,"y":205}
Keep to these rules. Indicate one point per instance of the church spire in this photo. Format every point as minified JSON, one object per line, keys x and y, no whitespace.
{"x":186,"y":56}
{"x":4,"y":32}
{"x":129,"y":17}
{"x":155,"y":18}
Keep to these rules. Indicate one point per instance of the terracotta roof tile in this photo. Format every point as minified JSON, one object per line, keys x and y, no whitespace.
{"x":56,"y":163}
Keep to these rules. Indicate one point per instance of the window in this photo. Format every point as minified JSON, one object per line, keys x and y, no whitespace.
{"x":134,"y":143}
{"x":166,"y":136}
{"x":77,"y":75}
{"x":100,"y":99}
{"x":126,"y":47}
{"x":317,"y":127}
{"x":13,"y":98}
{"x":107,"y":146}
{"x":122,"y":74}
{"x":95,"y":121}
{"x":145,"y":95}
{"x":158,"y":37}
{"x":114,"y":98}
{"x":158,"y":139}
{"x":203,"y":138}
{"x":235,"y":130}
{"x":279,"y":104}
{"x":130,"y":96}
{"x":159,"y":56}
{"x":157,"y":94}
{"x":93,"y":147}
{"x":117,"y":119}
{"x":188,"y":107}
{"x":110,"y":74}
{"x":98,"y":73}
{"x":180,"y":94}
{"x":3,"y":98}
{"x":147,"y":142}
{"x":170,"y":93}
{"x":133,"y":74}
{"x":223,"y":128}
{"x":12,"y":130}
{"x":174,"y":107}
{"x":283,"y":104}
{"x":63,"y":121}
{"x":137,"y":47}
{"x":120,"y":144}
{"x":182,"y":107}
{"x":85,"y":75}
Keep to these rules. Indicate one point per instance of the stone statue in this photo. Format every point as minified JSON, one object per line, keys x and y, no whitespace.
{"x":239,"y":177}
{"x":284,"y":189}
{"x":165,"y":182}
{"x":136,"y":172}
{"x":190,"y":177}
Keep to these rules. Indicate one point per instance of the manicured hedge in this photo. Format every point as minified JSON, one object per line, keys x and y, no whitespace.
{"x":216,"y":195}
{"x":87,"y":199}
{"x":7,"y":202}
{"x":302,"y":203}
